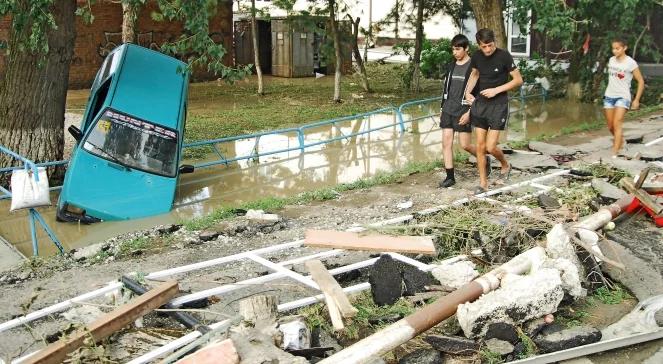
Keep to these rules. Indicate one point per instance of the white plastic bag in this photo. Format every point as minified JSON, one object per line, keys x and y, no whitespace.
{"x":26,"y":191}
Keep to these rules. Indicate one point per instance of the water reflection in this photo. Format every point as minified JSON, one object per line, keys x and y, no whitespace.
{"x":288,"y":173}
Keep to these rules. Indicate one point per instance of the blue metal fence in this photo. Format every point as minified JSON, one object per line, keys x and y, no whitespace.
{"x":33,"y":215}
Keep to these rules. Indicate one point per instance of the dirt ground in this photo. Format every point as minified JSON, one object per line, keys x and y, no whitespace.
{"x":45,"y":285}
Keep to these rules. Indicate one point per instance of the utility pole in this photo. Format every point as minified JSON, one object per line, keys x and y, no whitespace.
{"x":369,"y":34}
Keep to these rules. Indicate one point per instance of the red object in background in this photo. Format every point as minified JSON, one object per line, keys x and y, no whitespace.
{"x":585,"y":45}
{"x":636,"y":207}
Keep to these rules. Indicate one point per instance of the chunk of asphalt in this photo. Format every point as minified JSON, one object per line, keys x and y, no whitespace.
{"x":385,"y":280}
{"x":502,"y":331}
{"x":208,"y":235}
{"x":422,"y":356}
{"x":608,"y":192}
{"x":452,"y":344}
{"x":567,"y":339}
{"x":548,"y":202}
{"x":416,"y":280}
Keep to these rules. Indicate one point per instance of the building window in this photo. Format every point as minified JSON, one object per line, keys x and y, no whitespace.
{"x":518,"y":43}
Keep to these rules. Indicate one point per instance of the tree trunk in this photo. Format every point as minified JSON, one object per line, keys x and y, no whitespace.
{"x":488,"y":14}
{"x":397,"y":19}
{"x":355,"y":50}
{"x":129,"y":16}
{"x":33,"y":93}
{"x":417,"y":45}
{"x":337,"y":50}
{"x":256,"y":53}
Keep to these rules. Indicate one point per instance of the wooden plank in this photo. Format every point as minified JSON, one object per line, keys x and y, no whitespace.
{"x":371,"y":242}
{"x":645,"y":198}
{"x":334,"y":313}
{"x":107,"y":324}
{"x":330,"y":286}
{"x":642,"y":177}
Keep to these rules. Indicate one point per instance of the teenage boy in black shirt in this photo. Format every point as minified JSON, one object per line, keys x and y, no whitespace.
{"x":455,"y":113}
{"x":489,"y":113}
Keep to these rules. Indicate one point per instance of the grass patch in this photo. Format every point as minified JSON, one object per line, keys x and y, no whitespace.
{"x":611,"y":296}
{"x":317,"y":316}
{"x":131,"y":246}
{"x":577,"y":197}
{"x":528,"y":343}
{"x":490,"y":357}
{"x":328,"y":193}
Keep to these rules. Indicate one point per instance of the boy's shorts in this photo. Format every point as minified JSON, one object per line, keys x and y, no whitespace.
{"x":448,"y":121}
{"x":489,"y":115}
{"x":613,"y":102}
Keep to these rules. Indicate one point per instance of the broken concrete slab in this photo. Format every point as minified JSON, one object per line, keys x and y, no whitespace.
{"x":642,"y":240}
{"x":551,"y":149}
{"x":208,"y":235}
{"x":89,"y":251}
{"x":642,"y":277}
{"x":567,"y":338}
{"x":386,"y":282}
{"x":422,"y":356}
{"x":646,"y":153}
{"x":452,"y":344}
{"x":659,"y":318}
{"x":608,"y":192}
{"x":548,"y":202}
{"x":531,"y":296}
{"x":256,"y":348}
{"x":455,"y":275}
{"x":221,"y":352}
{"x":499,"y":346}
{"x":631,"y":166}
{"x":532,"y":163}
{"x":634,"y":137}
{"x":415,"y":280}
{"x":502,"y":331}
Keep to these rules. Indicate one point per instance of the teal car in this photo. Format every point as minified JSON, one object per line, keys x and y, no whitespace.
{"x":125,"y":164}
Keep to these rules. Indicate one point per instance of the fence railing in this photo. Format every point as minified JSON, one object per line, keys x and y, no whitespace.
{"x":34,"y":217}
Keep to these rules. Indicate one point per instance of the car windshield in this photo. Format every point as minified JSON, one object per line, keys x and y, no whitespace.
{"x":135,"y":143}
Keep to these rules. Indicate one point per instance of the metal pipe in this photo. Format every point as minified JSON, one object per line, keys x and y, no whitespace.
{"x":184,"y":318}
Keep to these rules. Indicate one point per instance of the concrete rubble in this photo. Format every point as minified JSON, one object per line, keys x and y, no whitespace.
{"x":452,"y":344}
{"x":455,"y":275}
{"x":551,"y":149}
{"x":422,"y":356}
{"x":608,"y":192}
{"x":522,"y":299}
{"x":499,"y":346}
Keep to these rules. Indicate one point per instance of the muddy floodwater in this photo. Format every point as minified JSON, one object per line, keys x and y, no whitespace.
{"x":293,"y":172}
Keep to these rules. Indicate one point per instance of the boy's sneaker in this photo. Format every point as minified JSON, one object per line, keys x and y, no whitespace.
{"x":447,"y":183}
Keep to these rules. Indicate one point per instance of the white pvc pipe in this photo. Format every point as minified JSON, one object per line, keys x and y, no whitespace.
{"x":259,"y":280}
{"x":173,"y":345}
{"x":110,"y":287}
{"x":226,"y":259}
{"x":655,"y":141}
{"x":285,"y":271}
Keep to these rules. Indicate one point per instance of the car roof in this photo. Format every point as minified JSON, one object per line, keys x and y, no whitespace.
{"x":150,"y":85}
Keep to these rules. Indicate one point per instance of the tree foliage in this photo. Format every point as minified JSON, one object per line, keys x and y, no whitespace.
{"x":30,"y":21}
{"x":588,"y":22}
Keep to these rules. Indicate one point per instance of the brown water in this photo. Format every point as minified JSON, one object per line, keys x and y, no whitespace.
{"x":290,"y":173}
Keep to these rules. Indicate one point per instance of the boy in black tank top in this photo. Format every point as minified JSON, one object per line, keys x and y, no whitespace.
{"x":489,"y":112}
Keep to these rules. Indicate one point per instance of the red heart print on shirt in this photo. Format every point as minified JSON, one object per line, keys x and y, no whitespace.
{"x":621,"y":75}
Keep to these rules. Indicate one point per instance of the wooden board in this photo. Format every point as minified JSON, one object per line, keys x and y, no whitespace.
{"x":330,"y":286}
{"x":107,"y":324}
{"x":372,"y":242}
{"x":644,"y":197}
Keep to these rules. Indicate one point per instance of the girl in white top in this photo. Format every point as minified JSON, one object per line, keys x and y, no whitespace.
{"x":617,"y":98}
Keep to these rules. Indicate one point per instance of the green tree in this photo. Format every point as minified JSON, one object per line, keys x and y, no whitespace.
{"x":33,"y":87}
{"x":585,"y":28}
